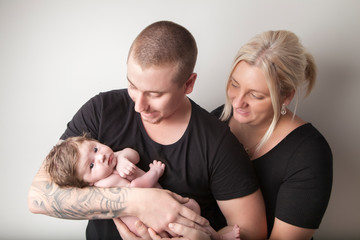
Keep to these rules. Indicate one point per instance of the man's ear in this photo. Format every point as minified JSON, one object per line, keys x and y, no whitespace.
{"x":189,"y":84}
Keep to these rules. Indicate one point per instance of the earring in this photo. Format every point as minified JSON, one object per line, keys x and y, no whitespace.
{"x":283,"y":110}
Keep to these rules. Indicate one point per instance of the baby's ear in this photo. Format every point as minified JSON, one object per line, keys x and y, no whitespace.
{"x":91,"y":184}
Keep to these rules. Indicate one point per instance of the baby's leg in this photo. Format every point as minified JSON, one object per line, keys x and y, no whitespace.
{"x":150,"y":178}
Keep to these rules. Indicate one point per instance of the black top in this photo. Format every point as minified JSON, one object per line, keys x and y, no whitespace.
{"x":295,"y":177}
{"x":207,"y":163}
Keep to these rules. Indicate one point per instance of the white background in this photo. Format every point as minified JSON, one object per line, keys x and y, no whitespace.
{"x":55,"y":55}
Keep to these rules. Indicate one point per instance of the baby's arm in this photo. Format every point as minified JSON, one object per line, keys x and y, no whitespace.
{"x":126,"y":160}
{"x":150,"y":178}
{"x":114,"y":180}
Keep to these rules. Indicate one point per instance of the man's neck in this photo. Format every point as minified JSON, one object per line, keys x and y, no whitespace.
{"x":172,"y":128}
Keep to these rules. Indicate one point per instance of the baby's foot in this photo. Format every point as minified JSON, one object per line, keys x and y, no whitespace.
{"x":157,"y":167}
{"x":234,"y":234}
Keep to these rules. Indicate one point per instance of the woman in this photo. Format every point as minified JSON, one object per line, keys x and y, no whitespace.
{"x":291,"y":158}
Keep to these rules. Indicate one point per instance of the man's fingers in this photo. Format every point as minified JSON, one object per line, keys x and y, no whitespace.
{"x":120,"y":225}
{"x":122,"y":228}
{"x":179,"y":198}
{"x":124,"y":231}
{"x":193,"y":216}
{"x":187,"y":212}
{"x":142,"y":230}
{"x":188,"y":232}
{"x":153,"y":234}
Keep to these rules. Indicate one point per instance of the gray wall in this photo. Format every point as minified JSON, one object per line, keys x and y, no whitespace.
{"x":54,"y":55}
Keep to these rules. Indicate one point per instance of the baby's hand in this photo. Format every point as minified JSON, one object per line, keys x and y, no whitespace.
{"x":125,"y":167}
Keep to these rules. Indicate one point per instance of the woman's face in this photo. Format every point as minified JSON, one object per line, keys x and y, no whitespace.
{"x":250,"y":95}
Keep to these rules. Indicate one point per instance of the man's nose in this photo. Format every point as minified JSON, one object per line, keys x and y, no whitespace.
{"x":141,"y":103}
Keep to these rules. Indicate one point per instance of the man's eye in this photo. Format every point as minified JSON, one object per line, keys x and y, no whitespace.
{"x":91,"y":165}
{"x":154,"y":95}
{"x":95,"y":149}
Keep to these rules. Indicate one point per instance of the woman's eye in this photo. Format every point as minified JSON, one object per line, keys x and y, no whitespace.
{"x":256,"y":96}
{"x":95,"y":149}
{"x":234,"y":84}
{"x":91,"y":165}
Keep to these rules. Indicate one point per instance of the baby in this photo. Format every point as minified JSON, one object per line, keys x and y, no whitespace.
{"x":83,"y":161}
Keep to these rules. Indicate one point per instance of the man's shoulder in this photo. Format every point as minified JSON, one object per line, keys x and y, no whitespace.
{"x":114,"y":93}
{"x":113,"y":96}
{"x":206,"y":120}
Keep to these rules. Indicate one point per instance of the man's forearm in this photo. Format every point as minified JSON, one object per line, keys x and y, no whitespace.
{"x":48,"y":198}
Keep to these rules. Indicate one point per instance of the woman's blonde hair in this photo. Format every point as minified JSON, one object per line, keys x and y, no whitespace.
{"x":286,"y":65}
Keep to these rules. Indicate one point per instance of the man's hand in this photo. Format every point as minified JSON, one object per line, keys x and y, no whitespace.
{"x":185,"y":233}
{"x":156,"y":208}
{"x":125,"y":232}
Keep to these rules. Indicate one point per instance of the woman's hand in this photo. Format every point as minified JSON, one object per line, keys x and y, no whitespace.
{"x":186,"y":233}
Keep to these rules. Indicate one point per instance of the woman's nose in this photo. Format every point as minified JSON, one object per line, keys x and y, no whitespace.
{"x":240,"y":101}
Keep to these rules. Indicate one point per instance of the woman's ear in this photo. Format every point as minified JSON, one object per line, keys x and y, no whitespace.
{"x":189,"y":84}
{"x":287,"y":99}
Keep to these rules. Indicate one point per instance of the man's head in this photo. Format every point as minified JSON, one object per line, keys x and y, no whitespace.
{"x":166,"y":43}
{"x":160,"y":70}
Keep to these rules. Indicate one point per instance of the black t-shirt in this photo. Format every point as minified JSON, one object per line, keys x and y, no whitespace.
{"x":207,"y":163}
{"x":295,"y":177}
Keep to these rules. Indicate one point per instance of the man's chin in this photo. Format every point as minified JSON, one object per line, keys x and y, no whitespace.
{"x":151,"y":120}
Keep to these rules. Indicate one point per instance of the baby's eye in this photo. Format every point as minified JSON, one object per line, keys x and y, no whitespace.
{"x":91,"y":165}
{"x":95,"y":149}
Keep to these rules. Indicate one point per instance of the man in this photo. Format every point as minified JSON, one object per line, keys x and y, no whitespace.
{"x":204,"y":161}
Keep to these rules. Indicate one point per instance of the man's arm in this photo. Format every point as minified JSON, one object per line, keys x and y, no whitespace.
{"x":45,"y":197}
{"x":248,"y":213}
{"x":285,"y":231}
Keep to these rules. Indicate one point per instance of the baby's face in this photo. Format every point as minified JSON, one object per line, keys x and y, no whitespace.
{"x":96,"y":161}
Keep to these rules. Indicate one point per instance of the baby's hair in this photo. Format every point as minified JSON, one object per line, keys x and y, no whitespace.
{"x":62,"y":160}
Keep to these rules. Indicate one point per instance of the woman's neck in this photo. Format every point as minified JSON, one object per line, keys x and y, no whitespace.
{"x":248,"y":135}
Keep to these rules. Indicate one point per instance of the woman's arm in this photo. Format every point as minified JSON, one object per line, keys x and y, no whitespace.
{"x":45,"y":197}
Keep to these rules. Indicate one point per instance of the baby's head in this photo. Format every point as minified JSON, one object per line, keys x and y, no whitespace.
{"x":61,"y":162}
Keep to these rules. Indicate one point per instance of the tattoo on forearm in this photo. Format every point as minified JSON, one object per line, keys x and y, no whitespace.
{"x":87,"y":203}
